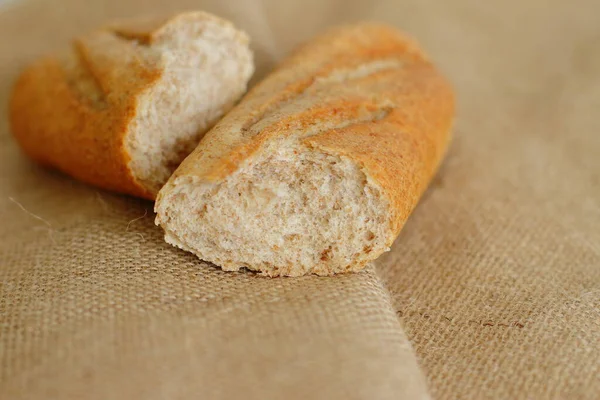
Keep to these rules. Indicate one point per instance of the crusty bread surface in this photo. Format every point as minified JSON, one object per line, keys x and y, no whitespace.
{"x":320,"y":165}
{"x":127,"y":103}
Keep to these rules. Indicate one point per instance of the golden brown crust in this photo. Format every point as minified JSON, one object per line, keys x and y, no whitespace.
{"x":73,"y":111}
{"x":365,"y":92}
{"x":58,"y":125}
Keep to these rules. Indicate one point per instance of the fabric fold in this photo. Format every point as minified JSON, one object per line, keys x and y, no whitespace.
{"x":100,"y":307}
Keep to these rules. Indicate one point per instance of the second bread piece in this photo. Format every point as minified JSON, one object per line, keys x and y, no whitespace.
{"x":129,"y":102}
{"x":320,"y":165}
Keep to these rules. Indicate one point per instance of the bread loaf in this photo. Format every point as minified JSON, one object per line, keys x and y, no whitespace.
{"x":124,"y":106}
{"x":320,"y":165}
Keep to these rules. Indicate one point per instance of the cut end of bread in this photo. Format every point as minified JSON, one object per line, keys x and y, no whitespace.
{"x":296,"y":211}
{"x":318,"y":168}
{"x":124,"y":105}
{"x":206,"y":64}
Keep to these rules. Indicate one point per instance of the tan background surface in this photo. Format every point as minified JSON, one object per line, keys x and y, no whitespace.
{"x":496,"y":277}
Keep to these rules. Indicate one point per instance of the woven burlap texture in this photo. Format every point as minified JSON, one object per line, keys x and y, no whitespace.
{"x":495,"y":278}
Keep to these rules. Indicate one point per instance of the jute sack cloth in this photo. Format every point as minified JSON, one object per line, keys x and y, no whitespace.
{"x":496,"y":277}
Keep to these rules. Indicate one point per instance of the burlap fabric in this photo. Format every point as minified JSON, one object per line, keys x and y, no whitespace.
{"x":496,"y":277}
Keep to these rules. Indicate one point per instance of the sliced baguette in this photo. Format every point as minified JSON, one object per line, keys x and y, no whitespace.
{"x":126,"y":104}
{"x":320,"y":165}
